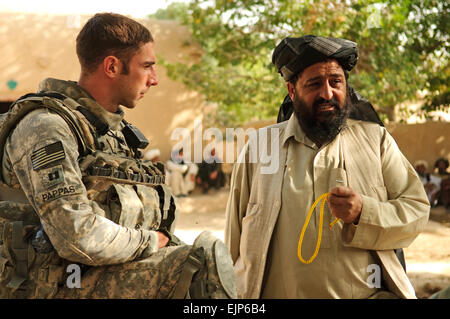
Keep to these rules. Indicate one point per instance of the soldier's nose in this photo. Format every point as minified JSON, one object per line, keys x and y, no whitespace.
{"x":153,"y":80}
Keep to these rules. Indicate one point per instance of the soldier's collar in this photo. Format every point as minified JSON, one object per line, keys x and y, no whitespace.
{"x":73,"y":90}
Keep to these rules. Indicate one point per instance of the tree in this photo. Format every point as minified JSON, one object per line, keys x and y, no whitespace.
{"x":403,"y":51}
{"x":175,"y":11}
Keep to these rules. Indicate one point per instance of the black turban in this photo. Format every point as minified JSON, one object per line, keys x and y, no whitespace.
{"x":292,"y":55}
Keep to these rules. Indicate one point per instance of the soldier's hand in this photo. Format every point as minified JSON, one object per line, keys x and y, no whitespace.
{"x":345,"y":203}
{"x":162,"y":239}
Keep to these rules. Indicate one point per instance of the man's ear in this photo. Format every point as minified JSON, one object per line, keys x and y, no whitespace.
{"x":111,"y":66}
{"x":291,"y":90}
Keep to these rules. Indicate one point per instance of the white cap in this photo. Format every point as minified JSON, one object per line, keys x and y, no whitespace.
{"x":421,"y":162}
{"x":151,"y":154}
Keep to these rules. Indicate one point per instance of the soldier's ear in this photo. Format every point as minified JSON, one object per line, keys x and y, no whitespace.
{"x":111,"y":66}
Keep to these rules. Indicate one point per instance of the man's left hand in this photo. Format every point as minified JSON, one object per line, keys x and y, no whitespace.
{"x":345,"y":204}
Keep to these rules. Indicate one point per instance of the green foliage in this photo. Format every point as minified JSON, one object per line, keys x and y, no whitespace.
{"x":175,"y":11}
{"x":403,"y":50}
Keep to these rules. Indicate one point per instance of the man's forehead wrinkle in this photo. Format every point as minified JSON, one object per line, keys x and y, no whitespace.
{"x":314,"y":78}
{"x":324,"y":69}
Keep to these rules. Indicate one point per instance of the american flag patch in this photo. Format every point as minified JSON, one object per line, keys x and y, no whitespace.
{"x":46,"y":156}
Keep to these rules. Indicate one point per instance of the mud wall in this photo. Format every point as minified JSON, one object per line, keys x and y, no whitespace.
{"x":426,"y":141}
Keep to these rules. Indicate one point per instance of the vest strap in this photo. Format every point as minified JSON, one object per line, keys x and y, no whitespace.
{"x":194,"y":262}
{"x":20,"y":249}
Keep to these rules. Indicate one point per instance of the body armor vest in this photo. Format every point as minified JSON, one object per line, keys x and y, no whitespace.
{"x":122,"y":187}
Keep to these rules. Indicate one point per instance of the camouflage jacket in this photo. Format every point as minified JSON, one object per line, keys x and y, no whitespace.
{"x":86,"y":224}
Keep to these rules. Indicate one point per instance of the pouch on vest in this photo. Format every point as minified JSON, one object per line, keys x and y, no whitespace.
{"x":21,"y":265}
{"x":128,"y":191}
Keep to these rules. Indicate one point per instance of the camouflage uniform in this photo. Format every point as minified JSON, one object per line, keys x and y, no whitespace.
{"x":108,"y":228}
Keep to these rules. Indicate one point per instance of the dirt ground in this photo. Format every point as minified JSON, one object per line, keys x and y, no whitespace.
{"x":427,"y":258}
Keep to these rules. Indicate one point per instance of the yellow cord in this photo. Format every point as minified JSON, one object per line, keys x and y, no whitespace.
{"x":322,"y":206}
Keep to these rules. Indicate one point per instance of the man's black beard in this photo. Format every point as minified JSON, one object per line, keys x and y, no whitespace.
{"x":324,"y":129}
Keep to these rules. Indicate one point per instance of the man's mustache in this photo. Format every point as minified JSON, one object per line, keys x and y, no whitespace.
{"x":321,"y":101}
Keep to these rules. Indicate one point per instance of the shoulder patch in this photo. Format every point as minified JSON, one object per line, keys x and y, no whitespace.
{"x":52,"y":176}
{"x":47,"y":155}
{"x":59,"y":192}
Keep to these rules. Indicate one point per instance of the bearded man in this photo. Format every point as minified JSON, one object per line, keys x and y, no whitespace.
{"x":373,"y":191}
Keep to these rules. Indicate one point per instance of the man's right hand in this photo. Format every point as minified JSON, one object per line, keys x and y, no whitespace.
{"x":162,"y":239}
{"x":345,"y":203}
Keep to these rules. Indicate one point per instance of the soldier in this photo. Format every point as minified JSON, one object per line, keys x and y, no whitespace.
{"x":75,"y":189}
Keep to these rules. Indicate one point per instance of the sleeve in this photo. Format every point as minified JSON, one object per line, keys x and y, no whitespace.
{"x":436,"y":181}
{"x":46,"y":165}
{"x":174,"y":167}
{"x":237,"y":204}
{"x":193,"y":168}
{"x":398,"y":220}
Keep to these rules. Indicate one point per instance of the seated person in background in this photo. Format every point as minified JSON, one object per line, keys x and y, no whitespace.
{"x":180,"y":176}
{"x":441,"y":166}
{"x":430,"y":182}
{"x":442,"y":170}
{"x":153,"y":155}
{"x":210,"y":173}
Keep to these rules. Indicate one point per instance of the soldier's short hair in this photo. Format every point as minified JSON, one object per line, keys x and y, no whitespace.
{"x":110,"y":34}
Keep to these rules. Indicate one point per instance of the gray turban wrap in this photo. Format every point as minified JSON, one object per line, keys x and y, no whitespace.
{"x":292,"y":55}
